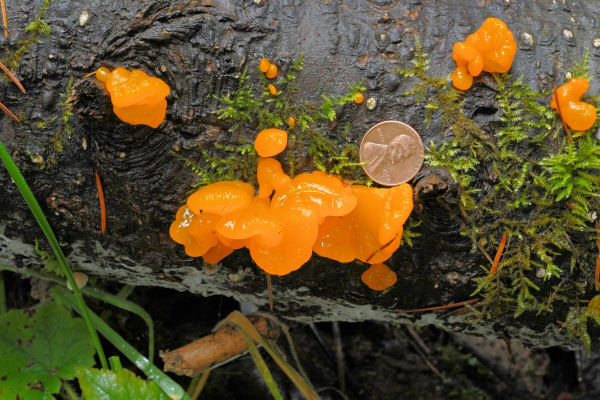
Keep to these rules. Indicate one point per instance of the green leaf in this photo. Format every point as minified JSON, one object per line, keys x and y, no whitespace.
{"x":37,"y":351}
{"x":102,"y":384}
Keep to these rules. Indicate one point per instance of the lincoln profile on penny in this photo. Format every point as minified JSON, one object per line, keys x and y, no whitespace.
{"x":380,"y":155}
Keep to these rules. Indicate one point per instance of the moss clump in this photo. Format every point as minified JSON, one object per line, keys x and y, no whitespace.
{"x":508,"y":185}
{"x":247,"y":111}
{"x":34,"y":30}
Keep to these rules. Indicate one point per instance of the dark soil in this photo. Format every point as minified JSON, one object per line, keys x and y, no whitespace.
{"x":381,"y":360}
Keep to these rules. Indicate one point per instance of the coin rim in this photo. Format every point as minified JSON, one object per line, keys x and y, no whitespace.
{"x":395,"y":122}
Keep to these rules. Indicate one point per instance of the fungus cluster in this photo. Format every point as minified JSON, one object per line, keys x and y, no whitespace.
{"x":136,"y":97}
{"x":491,"y":48}
{"x":289,"y":218}
{"x":578,"y":115}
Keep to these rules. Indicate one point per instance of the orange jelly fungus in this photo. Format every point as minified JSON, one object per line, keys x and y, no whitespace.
{"x":379,"y":277}
{"x":578,"y":115}
{"x":372,"y":231}
{"x":272,"y":89}
{"x":270,"y":142}
{"x":221,"y":197}
{"x":264,"y":65}
{"x":136,"y":97}
{"x":491,"y":48}
{"x":270,"y":176}
{"x":291,"y":218}
{"x":291,"y":121}
{"x":359,"y":98}
{"x":272,"y":71}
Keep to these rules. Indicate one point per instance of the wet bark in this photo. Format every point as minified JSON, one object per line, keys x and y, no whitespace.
{"x":200,"y":48}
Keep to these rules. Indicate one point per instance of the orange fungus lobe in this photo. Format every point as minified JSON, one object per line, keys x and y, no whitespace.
{"x":379,"y":277}
{"x":136,"y":97}
{"x":264,"y":65}
{"x":271,"y":177}
{"x":359,"y":98}
{"x":272,"y":89}
{"x":272,"y":71}
{"x":491,"y":48}
{"x":580,"y":116}
{"x":270,"y":142}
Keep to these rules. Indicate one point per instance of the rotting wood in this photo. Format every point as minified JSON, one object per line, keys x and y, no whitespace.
{"x":213,"y":350}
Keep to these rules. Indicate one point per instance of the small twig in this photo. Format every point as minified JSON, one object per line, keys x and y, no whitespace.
{"x":423,"y":350}
{"x":509,"y":349}
{"x":12,"y":77}
{"x":88,"y":75}
{"x":597,"y":273}
{"x":497,"y":257}
{"x":9,"y":113}
{"x":339,"y":355}
{"x":460,"y":304}
{"x":270,"y":290}
{"x":555,"y":96}
{"x":102,"y":205}
{"x":4,"y":18}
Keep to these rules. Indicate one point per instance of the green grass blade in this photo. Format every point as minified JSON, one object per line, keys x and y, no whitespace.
{"x":115,"y":363}
{"x":246,"y":326}
{"x":198,"y":384}
{"x":115,"y":300}
{"x":2,"y":295}
{"x":37,"y":212}
{"x":262,"y":367}
{"x":130,"y":306}
{"x":169,"y":386}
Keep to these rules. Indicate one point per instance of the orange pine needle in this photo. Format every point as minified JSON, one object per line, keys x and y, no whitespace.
{"x":9,"y":113}
{"x":102,"y":206}
{"x":88,"y":75}
{"x":4,"y":18}
{"x":560,"y":114}
{"x":12,"y":77}
{"x":497,"y":257}
{"x":597,"y":274}
{"x":453,"y":305}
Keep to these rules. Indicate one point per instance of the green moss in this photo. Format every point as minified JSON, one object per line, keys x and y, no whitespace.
{"x":250,"y":109}
{"x":507,"y":185}
{"x":34,"y":30}
{"x":64,"y":129}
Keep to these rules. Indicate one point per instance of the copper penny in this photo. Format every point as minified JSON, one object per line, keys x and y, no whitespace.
{"x":391,"y":153}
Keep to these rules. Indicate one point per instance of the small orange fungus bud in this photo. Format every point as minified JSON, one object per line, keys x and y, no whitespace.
{"x":379,"y":277}
{"x":272,"y":71}
{"x":136,"y":97}
{"x":270,"y":176}
{"x":359,"y":98}
{"x":272,"y":89}
{"x":580,"y":116}
{"x":221,"y":197}
{"x":291,"y":121}
{"x":461,"y":79}
{"x":264,"y":65}
{"x":491,"y":48}
{"x":270,"y":142}
{"x":102,"y":74}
